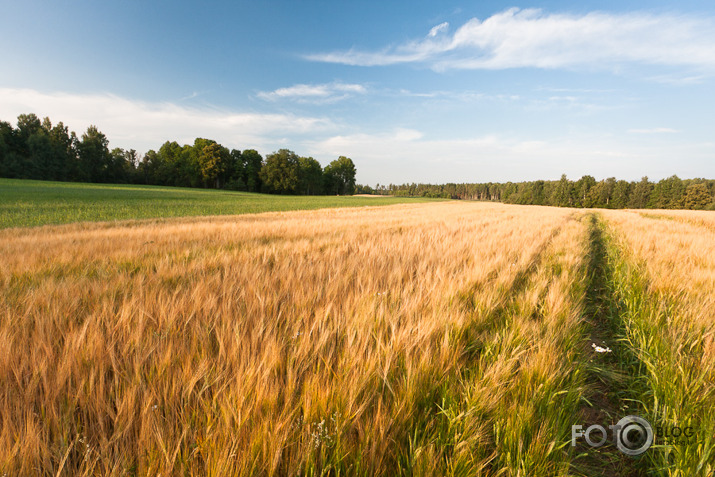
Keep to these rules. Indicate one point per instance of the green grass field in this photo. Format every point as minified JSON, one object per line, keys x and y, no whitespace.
{"x":27,"y":203}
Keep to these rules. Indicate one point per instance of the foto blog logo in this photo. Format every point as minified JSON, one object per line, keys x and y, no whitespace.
{"x":632,"y":435}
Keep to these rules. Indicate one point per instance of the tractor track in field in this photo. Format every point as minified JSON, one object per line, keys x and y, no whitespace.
{"x":607,"y":396}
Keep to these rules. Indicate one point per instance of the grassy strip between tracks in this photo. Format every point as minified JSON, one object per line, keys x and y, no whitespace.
{"x":667,"y":347}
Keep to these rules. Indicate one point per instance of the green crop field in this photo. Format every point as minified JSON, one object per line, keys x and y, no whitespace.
{"x":26,"y":203}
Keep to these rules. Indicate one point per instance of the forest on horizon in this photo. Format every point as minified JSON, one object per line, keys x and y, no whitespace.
{"x":37,"y":149}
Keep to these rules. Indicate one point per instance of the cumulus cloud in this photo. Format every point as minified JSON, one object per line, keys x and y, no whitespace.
{"x":532,"y":38}
{"x":314,"y":92}
{"x":145,"y":125}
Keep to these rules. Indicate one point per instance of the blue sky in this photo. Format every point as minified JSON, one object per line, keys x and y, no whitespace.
{"x":412,"y":91}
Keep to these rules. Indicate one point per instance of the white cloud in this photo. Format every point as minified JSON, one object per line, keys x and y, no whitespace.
{"x":411,"y":146}
{"x":679,"y":80}
{"x":407,"y":155}
{"x":193,"y":95}
{"x":653,"y":131}
{"x":575,"y":90}
{"x":397,"y":155}
{"x":531,"y":38}
{"x":319,"y":93}
{"x":438,"y":29}
{"x":144,"y":125}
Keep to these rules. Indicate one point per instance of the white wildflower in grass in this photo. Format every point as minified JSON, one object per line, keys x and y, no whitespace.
{"x":322,"y":434}
{"x":600,"y":349}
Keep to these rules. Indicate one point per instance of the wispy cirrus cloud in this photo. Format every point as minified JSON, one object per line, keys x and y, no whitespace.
{"x":402,"y":155}
{"x":314,"y":93}
{"x":679,"y":80}
{"x":405,"y":155}
{"x":653,"y":131}
{"x":438,"y":29}
{"x":532,"y":38}
{"x":146,"y":125}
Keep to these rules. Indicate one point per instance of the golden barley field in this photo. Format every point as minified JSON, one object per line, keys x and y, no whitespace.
{"x":450,"y":338}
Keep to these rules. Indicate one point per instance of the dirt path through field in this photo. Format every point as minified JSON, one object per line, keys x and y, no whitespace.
{"x":607,"y":379}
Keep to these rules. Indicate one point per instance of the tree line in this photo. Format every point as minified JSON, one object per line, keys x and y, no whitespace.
{"x":37,"y":149}
{"x":669,"y":193}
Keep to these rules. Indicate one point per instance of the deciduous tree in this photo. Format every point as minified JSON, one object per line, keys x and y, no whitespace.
{"x":252,"y":162}
{"x":279,"y":174}
{"x":641,"y":194}
{"x":214,"y":161}
{"x":310,"y":176}
{"x":340,"y":176}
{"x":94,"y":155}
{"x":697,"y":196}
